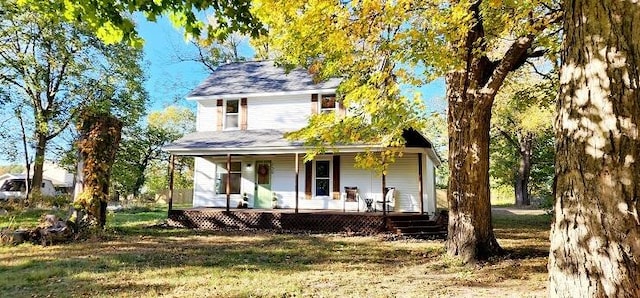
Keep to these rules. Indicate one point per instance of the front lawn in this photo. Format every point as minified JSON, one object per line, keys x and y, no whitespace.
{"x":134,"y":259}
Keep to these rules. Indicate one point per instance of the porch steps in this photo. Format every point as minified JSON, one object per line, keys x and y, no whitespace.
{"x":417,"y":226}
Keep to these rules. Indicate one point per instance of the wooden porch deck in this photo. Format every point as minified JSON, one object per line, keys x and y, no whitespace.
{"x":324,"y":221}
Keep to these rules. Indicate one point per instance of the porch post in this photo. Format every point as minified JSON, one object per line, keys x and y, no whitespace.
{"x":384,"y":195}
{"x":228,"y":182}
{"x":420,"y":190}
{"x":171,"y":171}
{"x":297,"y":183}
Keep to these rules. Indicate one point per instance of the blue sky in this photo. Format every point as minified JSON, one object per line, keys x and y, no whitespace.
{"x":170,"y":80}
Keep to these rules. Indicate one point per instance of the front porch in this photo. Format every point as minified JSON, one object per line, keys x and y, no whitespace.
{"x":261,"y":169}
{"x":323,"y":221}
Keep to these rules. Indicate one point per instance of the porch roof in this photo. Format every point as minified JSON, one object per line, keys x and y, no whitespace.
{"x":233,"y":140}
{"x":269,"y":141}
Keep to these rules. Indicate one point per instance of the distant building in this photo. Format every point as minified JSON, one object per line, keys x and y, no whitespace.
{"x":62,"y":180}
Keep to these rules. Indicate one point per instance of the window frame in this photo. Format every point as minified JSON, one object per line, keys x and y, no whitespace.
{"x":222,"y":170}
{"x":226,"y":114}
{"x":315,"y":178}
{"x":328,"y":110}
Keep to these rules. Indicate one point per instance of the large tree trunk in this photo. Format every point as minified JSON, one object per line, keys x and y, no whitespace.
{"x":524,"y":171}
{"x":98,"y":146}
{"x":38,"y":164}
{"x":595,"y":239}
{"x":470,"y":234}
{"x":137,"y":186}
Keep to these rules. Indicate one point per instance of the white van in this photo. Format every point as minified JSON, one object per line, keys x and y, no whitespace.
{"x":14,"y":186}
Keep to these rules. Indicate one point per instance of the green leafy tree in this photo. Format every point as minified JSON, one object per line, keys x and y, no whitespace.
{"x":55,"y":69}
{"x":359,"y":43}
{"x":110,"y":20}
{"x":522,"y":138}
{"x":436,"y":131}
{"x":376,"y":46}
{"x":11,"y":168}
{"x":595,"y":237}
{"x":141,"y":148}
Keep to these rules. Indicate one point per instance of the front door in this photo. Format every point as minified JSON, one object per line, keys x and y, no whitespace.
{"x":263,"y":185}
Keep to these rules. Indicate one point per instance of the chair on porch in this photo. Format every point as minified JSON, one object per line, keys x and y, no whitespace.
{"x":350,"y":194}
{"x":389,"y":199}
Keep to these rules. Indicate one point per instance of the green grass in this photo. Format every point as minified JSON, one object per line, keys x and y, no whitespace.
{"x":137,"y":260}
{"x":136,"y":218}
{"x":27,"y":218}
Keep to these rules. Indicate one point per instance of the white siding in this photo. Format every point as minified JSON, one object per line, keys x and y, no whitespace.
{"x":430,"y":185}
{"x":206,"y":117}
{"x":283,"y":180}
{"x":403,"y":175}
{"x":204,"y":180}
{"x":282,"y":112}
{"x":368,"y":182}
{"x":247,"y":184}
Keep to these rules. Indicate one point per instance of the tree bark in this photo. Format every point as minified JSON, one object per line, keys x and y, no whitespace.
{"x":470,"y":94}
{"x":470,"y":234}
{"x":524,"y":171}
{"x":79,"y":176}
{"x":137,"y":186}
{"x":595,"y":238}
{"x":101,"y":137}
{"x":38,"y":164}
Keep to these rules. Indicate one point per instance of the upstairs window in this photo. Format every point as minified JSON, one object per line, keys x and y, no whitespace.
{"x":328,"y":103}
{"x":232,"y":114}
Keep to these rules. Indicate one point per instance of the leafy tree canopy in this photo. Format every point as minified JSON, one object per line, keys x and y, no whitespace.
{"x":141,"y":148}
{"x":379,"y":46}
{"x":111,"y":21}
{"x":522,"y":138}
{"x":53,"y":69}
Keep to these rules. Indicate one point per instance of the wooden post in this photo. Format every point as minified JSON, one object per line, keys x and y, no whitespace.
{"x":420,"y":190}
{"x":228,"y":188}
{"x":297,"y":182}
{"x":384,"y":194}
{"x":171,"y":171}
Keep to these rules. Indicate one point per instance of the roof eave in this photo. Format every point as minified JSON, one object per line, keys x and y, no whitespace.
{"x":260,"y":94}
{"x":265,"y":150}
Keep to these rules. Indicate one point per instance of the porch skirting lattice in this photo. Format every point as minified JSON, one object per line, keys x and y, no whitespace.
{"x":212,"y":218}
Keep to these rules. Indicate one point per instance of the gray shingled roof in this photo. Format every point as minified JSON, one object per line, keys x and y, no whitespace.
{"x":257,"y":77}
{"x":232,"y":139}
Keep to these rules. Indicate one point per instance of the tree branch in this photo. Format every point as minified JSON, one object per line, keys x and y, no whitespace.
{"x":475,"y":35}
{"x":546,"y":76}
{"x":517,"y":53}
{"x":508,"y":137}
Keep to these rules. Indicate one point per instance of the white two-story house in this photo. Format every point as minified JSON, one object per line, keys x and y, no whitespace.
{"x":244,"y":110}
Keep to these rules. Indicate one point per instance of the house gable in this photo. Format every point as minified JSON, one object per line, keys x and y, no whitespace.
{"x":257,"y":79}
{"x":259,"y":95}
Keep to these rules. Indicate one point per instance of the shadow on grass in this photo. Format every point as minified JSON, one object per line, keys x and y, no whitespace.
{"x":80,"y":268}
{"x":127,"y":261}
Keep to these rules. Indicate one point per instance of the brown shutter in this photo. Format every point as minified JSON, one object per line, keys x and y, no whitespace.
{"x":243,"y":114}
{"x":342,"y":111}
{"x":336,"y":177}
{"x":219,"y":105}
{"x":314,"y":104}
{"x":308,"y":172}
